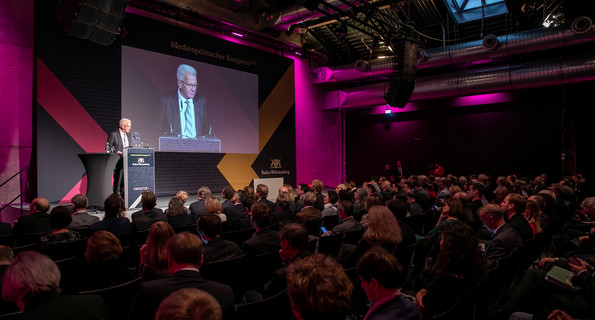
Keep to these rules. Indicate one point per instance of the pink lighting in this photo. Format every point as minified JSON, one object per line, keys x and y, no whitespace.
{"x":482,"y":99}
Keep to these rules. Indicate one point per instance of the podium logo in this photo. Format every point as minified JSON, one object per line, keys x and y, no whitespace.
{"x":275,"y":163}
{"x":141,"y":160}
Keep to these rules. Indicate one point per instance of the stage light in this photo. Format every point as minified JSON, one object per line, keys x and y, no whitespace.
{"x":239,"y":35}
{"x":387,"y":110}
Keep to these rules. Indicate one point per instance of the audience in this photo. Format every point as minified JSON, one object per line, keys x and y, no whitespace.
{"x":284,"y":216}
{"x":318,"y":289}
{"x":38,"y":219}
{"x":215,"y":248}
{"x":114,"y":220}
{"x":212,"y":205}
{"x":348,"y":223}
{"x":330,"y":199}
{"x":309,"y":212}
{"x":379,"y":273}
{"x":317,"y":190}
{"x":189,"y":304}
{"x":505,"y":241}
{"x":153,"y":254}
{"x":198,"y":207}
{"x":264,"y":240}
{"x":80,"y":217}
{"x":32,"y":283}
{"x":177,"y":214}
{"x":60,"y":219}
{"x":513,"y":207}
{"x":262,"y":192}
{"x":227,"y":195}
{"x":142,"y":220}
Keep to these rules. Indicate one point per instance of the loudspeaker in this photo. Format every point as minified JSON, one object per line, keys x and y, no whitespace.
{"x":402,"y":80}
{"x":96,"y":20}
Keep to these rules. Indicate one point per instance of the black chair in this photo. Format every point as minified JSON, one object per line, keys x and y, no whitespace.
{"x":239,"y":237}
{"x":405,"y":256}
{"x":25,"y":239}
{"x":501,"y":281}
{"x":27,"y":247}
{"x":359,"y":300}
{"x":85,"y":232}
{"x":313,"y":226}
{"x":118,"y":299}
{"x":263,"y":266}
{"x":189,"y":228}
{"x":7,"y":240}
{"x":330,"y":245}
{"x":276,"y":307}
{"x":421,"y":260}
{"x":59,"y":251}
{"x":231,"y":272}
{"x":329,"y":222}
{"x":353,"y":237}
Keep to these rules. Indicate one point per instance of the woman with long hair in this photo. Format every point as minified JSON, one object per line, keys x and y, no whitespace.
{"x":177,"y":214}
{"x":212,"y":205}
{"x":153,"y":254}
{"x":451,"y":211}
{"x":359,"y":203}
{"x":459,"y":266}
{"x":531,"y":214}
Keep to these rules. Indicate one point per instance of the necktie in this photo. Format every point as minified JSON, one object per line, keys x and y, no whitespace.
{"x":188,"y":117}
{"x":125,"y":140}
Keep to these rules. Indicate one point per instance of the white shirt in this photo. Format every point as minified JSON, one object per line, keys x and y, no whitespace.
{"x":189,"y":132}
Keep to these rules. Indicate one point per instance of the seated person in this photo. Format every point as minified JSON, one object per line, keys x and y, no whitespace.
{"x":284,"y":216}
{"x":60,"y":219}
{"x":142,"y":220}
{"x":189,"y":304}
{"x":318,"y":288}
{"x":215,"y":248}
{"x":379,"y":272}
{"x":38,"y":219}
{"x":153,"y":254}
{"x":80,"y":217}
{"x":114,"y":220}
{"x":264,"y":239}
{"x":32,"y":282}
{"x":348,"y":223}
{"x":177,"y":214}
{"x":103,"y":269}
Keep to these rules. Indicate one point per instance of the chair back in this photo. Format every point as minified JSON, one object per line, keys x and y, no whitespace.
{"x":25,"y":239}
{"x":60,"y":251}
{"x":276,"y":307}
{"x":329,"y":222}
{"x":231,"y":272}
{"x":405,"y":256}
{"x":7,"y":240}
{"x":239,"y":237}
{"x":118,"y":299}
{"x":330,"y":245}
{"x":189,"y":228}
{"x":353,"y":237}
{"x":313,"y":226}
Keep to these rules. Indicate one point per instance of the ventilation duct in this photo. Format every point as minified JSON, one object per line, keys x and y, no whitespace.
{"x":553,"y":72}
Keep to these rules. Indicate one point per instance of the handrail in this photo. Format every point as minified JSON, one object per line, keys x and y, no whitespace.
{"x":19,"y":174}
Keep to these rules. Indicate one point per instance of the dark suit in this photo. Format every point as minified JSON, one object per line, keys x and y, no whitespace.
{"x":34,"y":223}
{"x":180,"y":220}
{"x":505,"y":241}
{"x":82,"y":219}
{"x":52,"y":306}
{"x":143,"y":220}
{"x":114,"y":140}
{"x":319,"y":204}
{"x":273,"y":207}
{"x":265,"y":241}
{"x":170,"y":115}
{"x":197,"y":208}
{"x":278,"y":281}
{"x":238,"y":220}
{"x":309,"y":213}
{"x":118,"y":226}
{"x":226,"y":204}
{"x":151,"y":293}
{"x":219,"y":249}
{"x":522,"y":226}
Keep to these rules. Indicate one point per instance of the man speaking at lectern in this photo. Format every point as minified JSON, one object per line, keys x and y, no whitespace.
{"x":116,"y":142}
{"x":183,"y":113}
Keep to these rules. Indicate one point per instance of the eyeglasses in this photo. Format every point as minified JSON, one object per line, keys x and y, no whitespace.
{"x":190,"y":85}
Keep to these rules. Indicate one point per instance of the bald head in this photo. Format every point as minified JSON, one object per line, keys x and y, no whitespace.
{"x":39,"y":205}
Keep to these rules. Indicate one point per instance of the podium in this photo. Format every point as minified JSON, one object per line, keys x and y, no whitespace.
{"x":205,"y":144}
{"x":139,"y":174}
{"x":99,"y":168}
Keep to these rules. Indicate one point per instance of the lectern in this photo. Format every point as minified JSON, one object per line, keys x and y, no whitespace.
{"x":139,"y":174}
{"x":99,"y":167}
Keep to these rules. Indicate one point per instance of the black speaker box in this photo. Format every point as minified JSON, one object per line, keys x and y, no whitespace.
{"x":403,"y":78}
{"x":96,"y":20}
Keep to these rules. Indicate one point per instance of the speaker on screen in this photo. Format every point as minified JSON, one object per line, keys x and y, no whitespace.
{"x":402,"y":80}
{"x":96,"y":20}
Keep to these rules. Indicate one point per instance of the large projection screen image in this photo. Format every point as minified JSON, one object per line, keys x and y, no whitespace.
{"x":223,"y":112}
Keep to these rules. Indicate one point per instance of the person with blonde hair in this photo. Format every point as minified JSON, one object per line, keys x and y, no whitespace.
{"x":212,"y":205}
{"x":317,"y":187}
{"x":189,"y":304}
{"x":153,"y":254}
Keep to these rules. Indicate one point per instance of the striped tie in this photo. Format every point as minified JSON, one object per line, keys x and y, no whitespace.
{"x":188,"y":116}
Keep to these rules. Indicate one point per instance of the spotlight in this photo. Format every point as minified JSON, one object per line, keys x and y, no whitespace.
{"x":387,"y":110}
{"x":239,"y":35}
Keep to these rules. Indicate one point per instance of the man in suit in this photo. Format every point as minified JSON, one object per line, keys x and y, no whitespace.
{"x":215,"y":248}
{"x":227,"y":195}
{"x":142,"y":220}
{"x":236,"y":215}
{"x":38,"y":219}
{"x":198,"y":207}
{"x":184,"y":114}
{"x":184,"y":258}
{"x":264,"y":239}
{"x":348,"y":223}
{"x":513,"y":207}
{"x":116,"y":142}
{"x":262,"y":192}
{"x":80,"y":217}
{"x":309,"y":212}
{"x":505,"y":240}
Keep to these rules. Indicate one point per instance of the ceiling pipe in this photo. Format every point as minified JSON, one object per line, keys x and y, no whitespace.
{"x":552,"y":72}
{"x":300,"y":14}
{"x":581,"y":31}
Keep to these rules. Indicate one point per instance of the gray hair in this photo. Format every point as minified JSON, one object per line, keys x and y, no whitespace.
{"x":204,"y":192}
{"x":30,"y":274}
{"x":183,"y":69}
{"x":588,"y":203}
{"x":123,"y":121}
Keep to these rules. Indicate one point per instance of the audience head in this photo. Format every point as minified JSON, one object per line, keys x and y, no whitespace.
{"x":459,"y":253}
{"x":176,"y":207}
{"x":373,"y":200}
{"x":249,"y":191}
{"x":6,"y":255}
{"x":113,"y":206}
{"x":227,"y":193}
{"x":531,"y":214}
{"x":149,"y":200}
{"x":378,"y":269}
{"x":317,"y":186}
{"x":209,"y":224}
{"x":159,"y":235}
{"x":282,"y":201}
{"x":30,"y":274}
{"x":318,"y":288}
{"x":539,"y":200}
{"x":60,"y":218}
{"x":491,"y":216}
{"x":309,"y":199}
{"x":189,"y":304}
{"x":345,"y":195}
{"x":79,"y":202}
{"x":203,"y":192}
{"x":294,"y":239}
{"x":398,"y":208}
{"x":39,"y":205}
{"x":303,"y":188}
{"x":262,"y":191}
{"x":213,"y":205}
{"x":360,"y":195}
{"x":261,"y":217}
{"x":501,"y":193}
{"x":288,"y":191}
{"x":588,"y":207}
{"x":331,"y":197}
{"x":383,"y":229}
{"x":184,"y":249}
{"x":102,"y":246}
{"x":345,"y":209}
{"x":182,"y":195}
{"x":513,"y":204}
{"x":453,"y":207}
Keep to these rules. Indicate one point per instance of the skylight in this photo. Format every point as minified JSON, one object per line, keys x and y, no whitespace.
{"x":471,"y":10}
